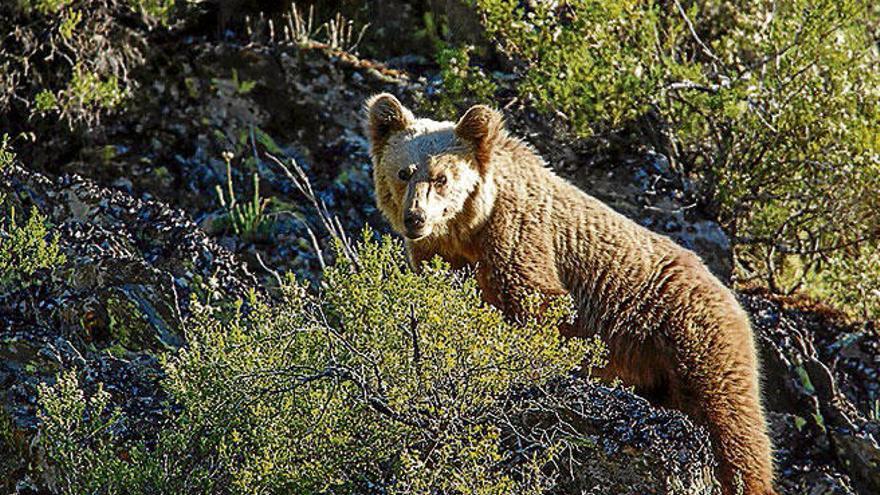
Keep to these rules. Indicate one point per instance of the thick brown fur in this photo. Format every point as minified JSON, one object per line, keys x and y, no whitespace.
{"x":488,"y":201}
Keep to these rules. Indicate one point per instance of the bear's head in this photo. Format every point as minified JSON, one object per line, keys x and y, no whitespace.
{"x":431,"y":176}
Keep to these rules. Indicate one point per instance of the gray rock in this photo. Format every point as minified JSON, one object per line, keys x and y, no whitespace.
{"x":615,"y":442}
{"x":118,"y":300}
{"x":823,"y":394}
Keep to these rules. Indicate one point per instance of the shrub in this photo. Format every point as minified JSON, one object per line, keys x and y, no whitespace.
{"x":790,"y":134}
{"x":24,"y":248}
{"x":464,"y":84}
{"x":776,"y":105}
{"x":81,"y":442}
{"x":385,"y":378}
{"x":587,"y":60}
{"x":72,"y":58}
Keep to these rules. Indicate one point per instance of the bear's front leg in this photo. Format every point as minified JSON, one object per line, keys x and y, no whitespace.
{"x":508,"y":290}
{"x":422,"y":251}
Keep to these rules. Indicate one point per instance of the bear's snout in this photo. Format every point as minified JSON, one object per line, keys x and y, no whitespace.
{"x":414,"y":221}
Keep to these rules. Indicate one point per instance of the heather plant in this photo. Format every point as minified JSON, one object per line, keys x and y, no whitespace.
{"x":385,"y":377}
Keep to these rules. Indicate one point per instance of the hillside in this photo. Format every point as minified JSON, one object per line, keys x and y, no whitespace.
{"x":185,"y":188}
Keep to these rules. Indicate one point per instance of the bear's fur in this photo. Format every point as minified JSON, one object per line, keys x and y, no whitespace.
{"x":477,"y":197}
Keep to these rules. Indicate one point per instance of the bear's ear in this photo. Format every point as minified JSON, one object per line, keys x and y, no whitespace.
{"x":480,"y":127}
{"x":385,"y":115}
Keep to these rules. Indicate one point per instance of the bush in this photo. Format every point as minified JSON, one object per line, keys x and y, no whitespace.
{"x":776,"y":105}
{"x":464,"y":84}
{"x":72,"y":58}
{"x":586,"y":60}
{"x":385,"y":378}
{"x":24,"y":248}
{"x":791,"y":138}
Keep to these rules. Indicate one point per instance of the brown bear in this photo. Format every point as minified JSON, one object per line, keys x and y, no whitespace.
{"x":476,"y":196}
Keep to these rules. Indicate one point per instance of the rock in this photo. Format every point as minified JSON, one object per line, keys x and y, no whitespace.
{"x":825,"y":392}
{"x":616,"y":442}
{"x":117,"y":302}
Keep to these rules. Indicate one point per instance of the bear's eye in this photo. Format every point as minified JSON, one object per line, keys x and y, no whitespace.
{"x":404,"y":174}
{"x":440,"y":181}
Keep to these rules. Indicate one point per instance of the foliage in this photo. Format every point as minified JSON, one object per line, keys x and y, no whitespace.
{"x":791,"y":137}
{"x":385,"y":378}
{"x":776,"y":105}
{"x":71,"y":421}
{"x":24,"y":248}
{"x":463,"y":83}
{"x":48,"y":6}
{"x":587,"y":62}
{"x":72,"y":58}
{"x":7,"y":156}
{"x":303,"y":27}
{"x":157,"y":10}
{"x":852,"y":280}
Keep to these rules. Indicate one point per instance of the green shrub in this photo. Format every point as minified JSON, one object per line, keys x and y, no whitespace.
{"x":385,"y":378}
{"x":791,"y":139}
{"x":464,"y":84}
{"x":589,"y":61}
{"x":24,"y":248}
{"x":80,"y":436}
{"x":72,"y":58}
{"x":776,"y":105}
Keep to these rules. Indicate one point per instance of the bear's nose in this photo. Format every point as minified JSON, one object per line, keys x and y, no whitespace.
{"x":414,"y":220}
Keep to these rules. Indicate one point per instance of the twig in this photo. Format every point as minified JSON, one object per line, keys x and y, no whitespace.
{"x":694,"y":34}
{"x":271,"y":271}
{"x":331,"y":223}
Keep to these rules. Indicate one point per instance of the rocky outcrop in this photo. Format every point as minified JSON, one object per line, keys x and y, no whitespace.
{"x":614,"y":442}
{"x":822,"y":389}
{"x":110,"y":310}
